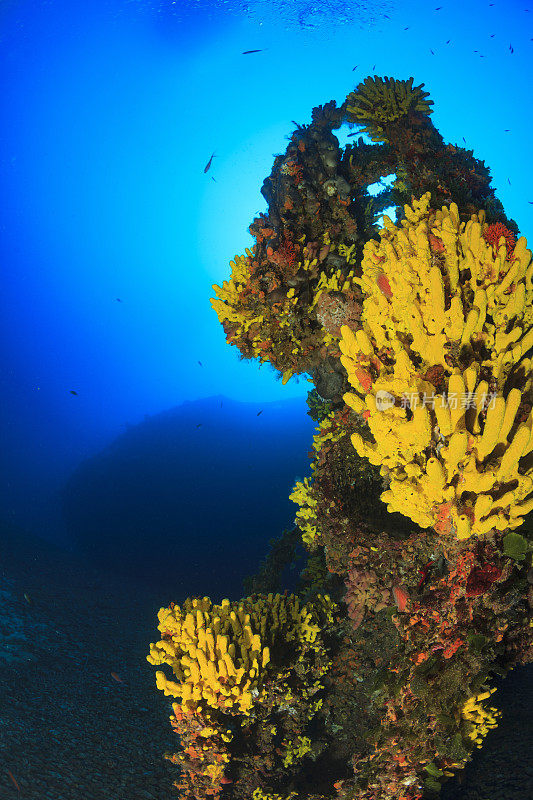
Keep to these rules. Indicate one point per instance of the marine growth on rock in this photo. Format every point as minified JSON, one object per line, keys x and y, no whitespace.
{"x":410,"y":311}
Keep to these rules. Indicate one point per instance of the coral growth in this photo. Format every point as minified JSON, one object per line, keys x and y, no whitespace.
{"x":377,"y":104}
{"x":442,"y":361}
{"x":237,"y":667}
{"x":417,"y":336}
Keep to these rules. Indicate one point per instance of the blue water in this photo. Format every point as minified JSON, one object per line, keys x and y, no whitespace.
{"x":111,"y":231}
{"x":129,"y":432}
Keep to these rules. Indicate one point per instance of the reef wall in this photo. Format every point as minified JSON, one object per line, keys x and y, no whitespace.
{"x":373,"y":682}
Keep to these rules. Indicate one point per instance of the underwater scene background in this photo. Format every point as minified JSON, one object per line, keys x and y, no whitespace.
{"x":233,"y":243}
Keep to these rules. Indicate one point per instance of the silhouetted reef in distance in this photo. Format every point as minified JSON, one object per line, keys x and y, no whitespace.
{"x":188,"y":499}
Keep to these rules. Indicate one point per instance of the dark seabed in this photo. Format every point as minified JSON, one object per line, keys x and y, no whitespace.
{"x":70,"y":731}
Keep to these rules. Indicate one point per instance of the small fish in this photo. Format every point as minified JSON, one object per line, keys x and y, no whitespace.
{"x":118,"y":300}
{"x":247,"y":52}
{"x":15,"y":784}
{"x":448,"y":42}
{"x":438,"y":9}
{"x":259,"y":412}
{"x":431,"y":51}
{"x":373,"y":68}
{"x":27,"y":598}
{"x":508,"y":181}
{"x":73,"y":392}
{"x":511,"y":48}
{"x":507,"y":130}
{"x":116,"y":677}
{"x":209,"y":163}
{"x":406,"y":29}
{"x":492,"y":35}
{"x":401,"y":597}
{"x":530,"y":202}
{"x":354,"y":68}
{"x":200,"y":363}
{"x":199,"y":425}
{"x":213,"y":179}
{"x":464,"y":140}
{"x":386,"y":16}
{"x":351,"y":134}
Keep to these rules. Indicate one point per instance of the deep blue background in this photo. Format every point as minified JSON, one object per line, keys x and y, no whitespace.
{"x":109,"y":112}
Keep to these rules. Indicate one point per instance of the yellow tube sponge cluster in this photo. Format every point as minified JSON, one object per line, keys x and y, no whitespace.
{"x":228,"y":303}
{"x":219,"y":654}
{"x":214,"y":655}
{"x":481,"y":720}
{"x":440,"y":368}
{"x":302,"y":492}
{"x":306,"y":515}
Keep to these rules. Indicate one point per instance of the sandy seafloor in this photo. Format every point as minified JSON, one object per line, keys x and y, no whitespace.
{"x":69,"y":731}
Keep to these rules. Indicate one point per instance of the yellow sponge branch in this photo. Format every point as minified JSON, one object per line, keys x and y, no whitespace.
{"x":440,"y":369}
{"x":220,"y":654}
